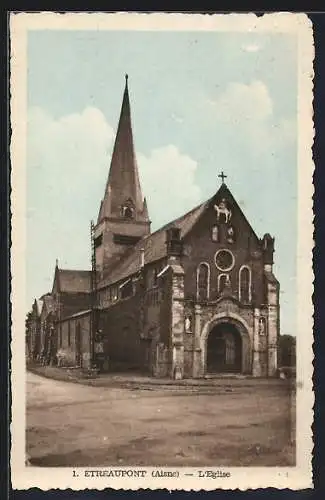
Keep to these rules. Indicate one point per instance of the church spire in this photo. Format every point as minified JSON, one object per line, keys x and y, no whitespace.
{"x":123,"y":191}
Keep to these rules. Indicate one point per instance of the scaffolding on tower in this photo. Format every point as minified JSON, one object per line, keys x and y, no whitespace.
{"x":93,"y":296}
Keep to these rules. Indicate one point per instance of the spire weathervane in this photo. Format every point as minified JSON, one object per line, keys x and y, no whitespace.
{"x":222,"y":177}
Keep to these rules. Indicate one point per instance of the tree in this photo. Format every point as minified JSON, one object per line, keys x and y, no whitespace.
{"x":287,"y":350}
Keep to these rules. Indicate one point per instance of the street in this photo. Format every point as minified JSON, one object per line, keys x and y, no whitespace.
{"x":71,"y":424}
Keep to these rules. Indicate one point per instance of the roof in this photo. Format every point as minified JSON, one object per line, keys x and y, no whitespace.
{"x":77,"y":315}
{"x":73,"y":280}
{"x":154,"y":245}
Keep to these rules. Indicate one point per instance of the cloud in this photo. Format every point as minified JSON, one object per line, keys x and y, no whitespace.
{"x":251,"y":48}
{"x":244,"y":103}
{"x":168,"y":180}
{"x":177,"y":118}
{"x":247,"y":110}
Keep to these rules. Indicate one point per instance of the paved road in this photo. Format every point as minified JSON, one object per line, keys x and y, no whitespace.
{"x":75,"y":425}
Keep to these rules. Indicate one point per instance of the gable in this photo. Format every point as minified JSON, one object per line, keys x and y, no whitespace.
{"x":223,"y":213}
{"x":74,"y":281}
{"x":71,"y":281}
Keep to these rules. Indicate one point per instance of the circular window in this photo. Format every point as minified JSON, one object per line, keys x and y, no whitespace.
{"x":224,"y":260}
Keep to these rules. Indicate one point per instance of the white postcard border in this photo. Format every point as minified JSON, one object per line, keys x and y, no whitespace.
{"x":243,"y":478}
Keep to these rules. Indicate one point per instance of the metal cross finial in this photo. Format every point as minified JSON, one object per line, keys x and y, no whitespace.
{"x":222,"y":177}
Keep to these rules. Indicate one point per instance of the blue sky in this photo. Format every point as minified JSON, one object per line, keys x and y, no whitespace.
{"x":201,"y":102}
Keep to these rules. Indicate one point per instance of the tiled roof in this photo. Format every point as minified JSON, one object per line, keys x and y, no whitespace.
{"x":154,"y":245}
{"x":74,"y":280}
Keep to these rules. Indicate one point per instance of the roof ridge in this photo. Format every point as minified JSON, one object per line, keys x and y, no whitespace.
{"x":122,"y":269}
{"x":74,"y":270}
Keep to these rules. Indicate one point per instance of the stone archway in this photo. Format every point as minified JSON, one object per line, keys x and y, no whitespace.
{"x":224,"y":349}
{"x":226,"y":345}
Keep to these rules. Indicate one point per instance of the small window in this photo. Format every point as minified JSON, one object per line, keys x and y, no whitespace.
{"x":215,"y":233}
{"x":98,"y":241}
{"x":223,"y":281}
{"x":126,"y":289}
{"x":231,"y":238}
{"x":127,"y":210}
{"x":114,"y":294}
{"x":155,"y":277}
{"x":69,"y":334}
{"x":124,"y":239}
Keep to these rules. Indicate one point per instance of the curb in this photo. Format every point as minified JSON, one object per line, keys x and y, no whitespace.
{"x":147,"y":384}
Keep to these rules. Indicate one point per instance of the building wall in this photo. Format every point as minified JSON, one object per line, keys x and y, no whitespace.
{"x":137,"y":328}
{"x":199,"y":247}
{"x":68,"y":346}
{"x":108,"y":248}
{"x":72,"y":303}
{"x":119,"y":324}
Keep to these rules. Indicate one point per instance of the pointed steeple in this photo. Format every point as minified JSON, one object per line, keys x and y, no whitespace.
{"x":145,"y":209}
{"x":123,"y":186}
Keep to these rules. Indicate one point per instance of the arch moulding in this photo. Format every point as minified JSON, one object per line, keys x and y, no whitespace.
{"x":243,"y":329}
{"x":218,"y":318}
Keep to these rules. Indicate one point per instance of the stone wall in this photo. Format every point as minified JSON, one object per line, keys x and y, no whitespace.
{"x":68,"y":346}
{"x":120,"y":326}
{"x":72,"y":303}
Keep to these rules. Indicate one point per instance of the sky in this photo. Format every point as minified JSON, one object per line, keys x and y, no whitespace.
{"x":201,"y":102}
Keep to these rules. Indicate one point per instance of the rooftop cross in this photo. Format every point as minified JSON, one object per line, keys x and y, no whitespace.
{"x":222,"y":177}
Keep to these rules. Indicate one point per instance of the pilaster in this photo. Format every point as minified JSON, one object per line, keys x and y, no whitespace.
{"x":256,"y":368}
{"x":272,"y":340}
{"x":177,"y":320}
{"x":198,"y":369}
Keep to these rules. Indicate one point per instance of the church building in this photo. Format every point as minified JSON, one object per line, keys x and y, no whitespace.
{"x":197,"y":297}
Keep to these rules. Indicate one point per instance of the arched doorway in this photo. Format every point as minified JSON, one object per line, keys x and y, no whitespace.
{"x":224,"y":349}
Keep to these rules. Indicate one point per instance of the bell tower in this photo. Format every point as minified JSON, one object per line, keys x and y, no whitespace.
{"x":123,"y":215}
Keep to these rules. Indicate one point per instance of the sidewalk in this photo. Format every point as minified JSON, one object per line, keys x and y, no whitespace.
{"x":141,"y":381}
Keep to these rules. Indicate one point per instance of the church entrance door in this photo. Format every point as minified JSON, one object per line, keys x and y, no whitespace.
{"x":224,"y":349}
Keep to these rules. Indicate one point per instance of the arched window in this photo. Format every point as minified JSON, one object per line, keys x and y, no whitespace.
{"x":203,"y":281}
{"x":215,"y":233}
{"x":127,"y":209}
{"x":223,"y":280}
{"x":245,"y":284}
{"x":231,"y":234}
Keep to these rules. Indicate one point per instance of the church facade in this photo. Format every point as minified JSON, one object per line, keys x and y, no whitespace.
{"x":197,"y":297}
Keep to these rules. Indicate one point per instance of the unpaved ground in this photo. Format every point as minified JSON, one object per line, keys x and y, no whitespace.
{"x":74,"y":425}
